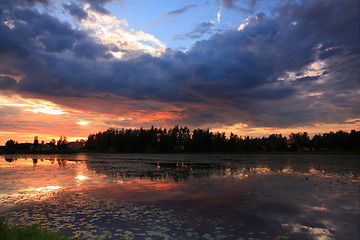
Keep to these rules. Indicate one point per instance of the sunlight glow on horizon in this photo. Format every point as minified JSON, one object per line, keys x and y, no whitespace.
{"x":83,"y":123}
{"x":31,"y":105}
{"x":46,"y":110}
{"x":240,"y":129}
{"x":243,"y":130}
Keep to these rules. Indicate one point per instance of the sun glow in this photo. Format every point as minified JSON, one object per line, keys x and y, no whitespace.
{"x":32,"y":105}
{"x":243,"y":129}
{"x":83,"y":122}
{"x":46,"y":109}
{"x":81,"y":177}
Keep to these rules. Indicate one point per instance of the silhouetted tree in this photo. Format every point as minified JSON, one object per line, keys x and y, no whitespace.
{"x":202,"y":141}
{"x":10,"y":143}
{"x":302,"y":141}
{"x":317,"y":142}
{"x":36,"y":141}
{"x":52,"y":143}
{"x":354,"y":137}
{"x":62,"y":143}
{"x":274,"y":142}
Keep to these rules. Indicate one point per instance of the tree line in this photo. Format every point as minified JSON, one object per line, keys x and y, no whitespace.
{"x":182,"y":139}
{"x":62,"y":145}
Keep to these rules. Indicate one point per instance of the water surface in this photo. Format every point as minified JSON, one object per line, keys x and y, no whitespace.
{"x":119,"y":196}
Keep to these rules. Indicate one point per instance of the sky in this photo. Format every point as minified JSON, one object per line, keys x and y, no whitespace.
{"x":251,"y":67}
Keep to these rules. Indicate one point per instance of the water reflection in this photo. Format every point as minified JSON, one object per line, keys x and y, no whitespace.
{"x":235,"y":166}
{"x":9,"y":159}
{"x":39,"y":177}
{"x":81,"y":177}
{"x":186,"y":196}
{"x":25,"y":161}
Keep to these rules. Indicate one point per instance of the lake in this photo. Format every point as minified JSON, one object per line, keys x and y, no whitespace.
{"x":185,"y":196}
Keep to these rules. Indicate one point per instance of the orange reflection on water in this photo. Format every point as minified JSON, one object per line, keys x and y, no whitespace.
{"x":34,"y":193}
{"x":31,"y":178}
{"x":244,"y":173}
{"x":261,"y":170}
{"x":138,"y":190}
{"x":287,"y":170}
{"x":200,"y":194}
{"x":313,"y":171}
{"x":81,"y":177}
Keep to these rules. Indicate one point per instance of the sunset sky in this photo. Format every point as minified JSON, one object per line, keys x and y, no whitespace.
{"x":252,"y":67}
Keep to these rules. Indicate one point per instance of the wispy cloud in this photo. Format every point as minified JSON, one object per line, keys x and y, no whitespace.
{"x":204,"y":28}
{"x":218,"y":16}
{"x":249,"y":5}
{"x":181,"y":10}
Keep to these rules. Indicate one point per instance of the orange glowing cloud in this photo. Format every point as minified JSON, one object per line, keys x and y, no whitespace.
{"x":75,"y":118}
{"x":31,"y":105}
{"x":83,"y":123}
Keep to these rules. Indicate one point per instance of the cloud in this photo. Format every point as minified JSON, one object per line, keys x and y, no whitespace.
{"x":113,"y":33}
{"x":230,"y":4}
{"x":6,"y":82}
{"x":181,"y":10}
{"x":199,"y":30}
{"x":32,"y":105}
{"x":98,"y":6}
{"x":24,"y":2}
{"x":233,"y":77}
{"x":75,"y":11}
{"x":218,"y":16}
{"x":33,"y":32}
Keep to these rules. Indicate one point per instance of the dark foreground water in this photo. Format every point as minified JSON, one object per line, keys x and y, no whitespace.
{"x":111,"y":196}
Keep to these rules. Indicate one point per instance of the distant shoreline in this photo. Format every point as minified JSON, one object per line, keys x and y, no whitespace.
{"x":184,"y":153}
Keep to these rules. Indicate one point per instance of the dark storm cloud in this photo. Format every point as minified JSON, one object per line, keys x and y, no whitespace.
{"x":40,"y":23}
{"x":90,"y":49}
{"x":56,"y":43}
{"x":6,"y":82}
{"x":23,"y":2}
{"x":231,"y":77}
{"x":75,"y":11}
{"x":32,"y":33}
{"x":306,"y":79}
{"x":181,"y":10}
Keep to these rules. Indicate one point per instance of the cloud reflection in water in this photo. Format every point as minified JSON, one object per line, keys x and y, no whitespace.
{"x":224,"y":196}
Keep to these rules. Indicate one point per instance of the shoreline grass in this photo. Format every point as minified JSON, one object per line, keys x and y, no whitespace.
{"x":10,"y":231}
